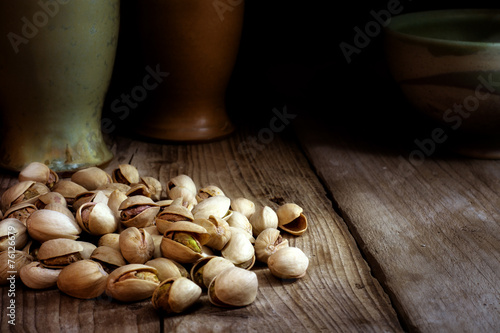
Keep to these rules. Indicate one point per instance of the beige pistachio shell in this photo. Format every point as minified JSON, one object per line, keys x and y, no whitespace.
{"x":11,"y":263}
{"x":243,"y":206}
{"x":37,"y":276}
{"x":263,"y":218}
{"x":136,"y":245}
{"x":239,"y":250}
{"x":288,"y":263}
{"x":154,"y":187}
{"x":125,"y":174}
{"x":91,"y":178}
{"x":20,"y":211}
{"x":181,"y":181}
{"x":268,"y":242}
{"x":96,"y":218}
{"x":157,"y":242}
{"x":108,"y":257}
{"x":187,"y":248}
{"x":83,"y":279}
{"x":138,"y":189}
{"x":205,"y":269}
{"x":238,"y":220}
{"x":138,"y":211}
{"x":69,"y":190}
{"x":112,"y":240}
{"x":188,"y":198}
{"x":115,"y":200}
{"x":291,"y":219}
{"x":13,"y":233}
{"x":39,"y":172}
{"x":61,"y":209}
{"x":217,"y":206}
{"x":45,"y":224}
{"x":218,"y":229}
{"x":60,"y":252}
{"x":132,"y":282}
{"x":167,"y":268}
{"x":51,"y":197}
{"x":233,"y":287}
{"x":114,"y":186}
{"x":88,"y":248}
{"x":173,"y":213}
{"x":207,"y":192}
{"x":26,"y":191}
{"x":175,"y":295}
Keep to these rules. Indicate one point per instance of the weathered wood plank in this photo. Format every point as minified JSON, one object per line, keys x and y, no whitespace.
{"x":431,"y":229}
{"x":338,"y":294}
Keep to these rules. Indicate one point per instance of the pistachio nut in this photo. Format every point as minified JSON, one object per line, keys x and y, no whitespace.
{"x":51,"y":197}
{"x":233,"y":287}
{"x":291,"y":219}
{"x":288,"y":263}
{"x":87,"y":249}
{"x":218,"y":229}
{"x":183,"y":242}
{"x":175,"y":295}
{"x":125,"y":174}
{"x":13,"y":234}
{"x":207,"y":192}
{"x":59,"y":252}
{"x":268,"y":242}
{"x":61,"y":209}
{"x":204,"y":270}
{"x":173,"y":213}
{"x":91,"y":178}
{"x":153,"y":186}
{"x":138,"y":211}
{"x":114,"y":186}
{"x":36,"y":276}
{"x":20,"y":211}
{"x":40,"y":173}
{"x":239,"y":250}
{"x":45,"y":224}
{"x":115,"y":200}
{"x":109,"y":258}
{"x":69,"y":190}
{"x":26,"y":191}
{"x":263,"y":218}
{"x":83,"y":279}
{"x":238,"y":220}
{"x":112,"y":240}
{"x":11,"y":263}
{"x":188,"y":198}
{"x":136,"y":245}
{"x":244,"y":206}
{"x":217,"y":206}
{"x":167,"y":268}
{"x":96,"y":218}
{"x":132,"y":282}
{"x":181,"y":181}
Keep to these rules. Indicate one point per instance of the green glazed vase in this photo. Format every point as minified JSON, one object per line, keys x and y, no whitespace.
{"x":56,"y":62}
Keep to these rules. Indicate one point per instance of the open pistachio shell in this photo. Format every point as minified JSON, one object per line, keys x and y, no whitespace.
{"x":175,"y":295}
{"x":167,"y":268}
{"x":20,"y":211}
{"x":218,"y":229}
{"x":233,"y":287}
{"x":207,"y":192}
{"x":244,"y":206}
{"x":39,"y":172}
{"x":183,"y":242}
{"x":154,"y":187}
{"x":136,"y":245}
{"x":96,"y":218}
{"x":205,"y":269}
{"x":48,"y":198}
{"x":125,"y":174}
{"x":138,"y":211}
{"x":37,"y":276}
{"x":291,"y":219}
{"x":173,"y":213}
{"x":83,"y":279}
{"x":26,"y":191}
{"x":112,"y":240}
{"x":109,"y":258}
{"x":69,"y":190}
{"x":132,"y":282}
{"x":181,"y":181}
{"x":60,"y":252}
{"x":13,"y":233}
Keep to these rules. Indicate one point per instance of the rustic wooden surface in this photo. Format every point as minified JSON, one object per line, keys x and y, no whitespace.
{"x":430,"y":229}
{"x":338,"y":294}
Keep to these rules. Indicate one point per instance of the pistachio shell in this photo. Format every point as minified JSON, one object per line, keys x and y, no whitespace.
{"x":243,"y":206}
{"x":188,"y":198}
{"x":136,"y":245}
{"x":263,"y":218}
{"x":13,"y":233}
{"x":20,"y":211}
{"x":45,"y":224}
{"x":91,"y":178}
{"x":138,"y":211}
{"x":61,"y":209}
{"x":69,"y":190}
{"x":11,"y":263}
{"x":60,"y":252}
{"x":173,"y":213}
{"x":23,"y":192}
{"x":207,"y":192}
{"x":167,"y":268}
{"x":39,"y":172}
{"x":83,"y":279}
{"x":188,"y":252}
{"x":125,"y":174}
{"x":217,"y":206}
{"x":108,"y":257}
{"x":233,"y":287}
{"x":115,"y":200}
{"x":268,"y":242}
{"x":51,"y":197}
{"x":181,"y":181}
{"x":96,"y":218}
{"x":205,"y":269}
{"x":132,"y":282}
{"x":239,"y":250}
{"x":218,"y":229}
{"x":88,"y":248}
{"x":238,"y":220}
{"x":291,"y":219}
{"x":175,"y":295}
{"x":37,"y":276}
{"x":154,"y":187}
{"x":112,"y":240}
{"x":288,"y":263}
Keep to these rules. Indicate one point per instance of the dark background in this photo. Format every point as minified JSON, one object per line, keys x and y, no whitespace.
{"x":289,"y":55}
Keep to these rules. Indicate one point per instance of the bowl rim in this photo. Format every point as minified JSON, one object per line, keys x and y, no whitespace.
{"x":439,"y":13}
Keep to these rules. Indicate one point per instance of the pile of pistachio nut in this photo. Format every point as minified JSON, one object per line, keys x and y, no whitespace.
{"x":97,"y":234}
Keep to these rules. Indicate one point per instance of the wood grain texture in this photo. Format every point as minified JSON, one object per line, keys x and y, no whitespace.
{"x":338,"y":294}
{"x":430,"y":230}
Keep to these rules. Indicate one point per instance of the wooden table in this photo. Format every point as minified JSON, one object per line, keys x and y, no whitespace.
{"x":393,"y":246}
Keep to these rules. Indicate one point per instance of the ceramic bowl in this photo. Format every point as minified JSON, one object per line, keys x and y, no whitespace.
{"x":447,"y":63}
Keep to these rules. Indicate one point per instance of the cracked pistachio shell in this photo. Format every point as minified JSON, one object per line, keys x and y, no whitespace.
{"x":175,"y":295}
{"x":39,"y":172}
{"x":138,"y":189}
{"x":291,"y":219}
{"x":83,"y":279}
{"x":173,"y":213}
{"x":183,"y":242}
{"x":181,"y":181}
{"x":126,"y":174}
{"x":132,"y":282}
{"x":90,"y":196}
{"x":26,"y":191}
{"x":20,"y":211}
{"x":115,"y":200}
{"x":37,"y":276}
{"x":233,"y":287}
{"x":238,"y":220}
{"x":11,"y":263}
{"x":51,"y":197}
{"x":167,"y":268}
{"x":45,"y":224}
{"x":188,"y":198}
{"x":217,"y":206}
{"x":263,"y":218}
{"x":205,"y":269}
{"x":12,"y":233}
{"x":114,"y":186}
{"x":154,"y":187}
{"x":91,"y":178}
{"x":138,"y":211}
{"x":136,"y":245}
{"x":69,"y":190}
{"x":61,"y":209}
{"x":112,"y":240}
{"x":288,"y":263}
{"x":243,"y":206}
{"x":157,"y":242}
{"x":207,"y":192}
{"x":108,"y":257}
{"x":60,"y":252}
{"x":268,"y":242}
{"x":87,"y":250}
{"x":239,"y":250}
{"x":96,"y":218}
{"x":218,"y":229}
